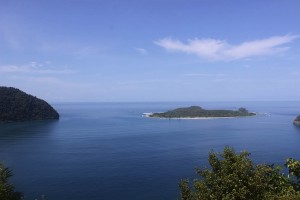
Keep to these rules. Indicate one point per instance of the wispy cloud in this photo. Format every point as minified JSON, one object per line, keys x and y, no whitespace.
{"x":10,"y":30}
{"x":50,"y":87}
{"x":204,"y":75}
{"x":34,"y":68}
{"x":213,"y":49}
{"x":16,"y":36}
{"x":212,"y":77}
{"x":141,"y":51}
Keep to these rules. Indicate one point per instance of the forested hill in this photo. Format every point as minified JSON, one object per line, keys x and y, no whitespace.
{"x":16,"y":105}
{"x":196,"y":111}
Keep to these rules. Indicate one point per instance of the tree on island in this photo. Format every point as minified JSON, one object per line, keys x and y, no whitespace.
{"x":197,"y":111}
{"x":16,"y":106}
{"x":234,"y":176}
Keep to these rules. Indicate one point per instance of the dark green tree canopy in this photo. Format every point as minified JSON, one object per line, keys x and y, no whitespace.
{"x":233,"y":176}
{"x":16,"y":105}
{"x":196,"y":111}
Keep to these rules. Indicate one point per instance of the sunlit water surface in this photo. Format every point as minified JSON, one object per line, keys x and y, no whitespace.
{"x":109,"y":151}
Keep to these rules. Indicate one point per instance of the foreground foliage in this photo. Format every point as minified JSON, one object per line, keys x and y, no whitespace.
{"x":7,"y":191}
{"x":233,"y":176}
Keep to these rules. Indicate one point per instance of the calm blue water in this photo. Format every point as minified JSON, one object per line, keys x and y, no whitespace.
{"x":109,"y":151}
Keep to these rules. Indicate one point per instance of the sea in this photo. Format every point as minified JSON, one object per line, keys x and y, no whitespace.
{"x":110,"y":151}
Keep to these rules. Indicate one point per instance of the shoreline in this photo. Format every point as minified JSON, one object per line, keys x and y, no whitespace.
{"x":189,"y":118}
{"x":196,"y":118}
{"x":197,"y":112}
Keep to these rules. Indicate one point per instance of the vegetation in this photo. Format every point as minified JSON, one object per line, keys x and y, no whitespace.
{"x":7,"y":191}
{"x":297,"y":121}
{"x":16,"y":105}
{"x":196,"y":111}
{"x":233,"y":176}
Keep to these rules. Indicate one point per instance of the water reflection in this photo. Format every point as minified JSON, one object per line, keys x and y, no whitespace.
{"x":31,"y":128}
{"x":15,"y":137}
{"x":297,"y":128}
{"x":97,"y":144}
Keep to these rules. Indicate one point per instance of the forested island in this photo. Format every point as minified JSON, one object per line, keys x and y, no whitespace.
{"x":297,"y":121}
{"x":16,"y":106}
{"x":198,"y":112}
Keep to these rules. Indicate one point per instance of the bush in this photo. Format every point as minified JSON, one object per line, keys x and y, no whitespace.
{"x":233,"y":176}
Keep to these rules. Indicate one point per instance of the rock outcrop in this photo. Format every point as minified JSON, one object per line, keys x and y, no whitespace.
{"x":297,"y":121}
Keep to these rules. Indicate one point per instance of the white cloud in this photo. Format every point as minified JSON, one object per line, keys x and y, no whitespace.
{"x":141,"y":51}
{"x":204,"y":75}
{"x":34,"y":68}
{"x":213,"y":49}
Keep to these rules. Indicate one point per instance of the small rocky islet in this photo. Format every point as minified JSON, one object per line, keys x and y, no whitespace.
{"x":297,"y":121}
{"x":18,"y":106}
{"x":199,"y":112}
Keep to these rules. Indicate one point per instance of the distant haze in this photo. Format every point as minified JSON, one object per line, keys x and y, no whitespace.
{"x":141,"y":50}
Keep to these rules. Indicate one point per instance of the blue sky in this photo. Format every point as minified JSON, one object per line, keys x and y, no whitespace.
{"x":151,"y":50}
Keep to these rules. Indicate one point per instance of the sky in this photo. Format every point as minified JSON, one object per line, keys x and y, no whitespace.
{"x":151,"y":50}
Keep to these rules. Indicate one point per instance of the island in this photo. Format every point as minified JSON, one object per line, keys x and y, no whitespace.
{"x":17,"y":106}
{"x":198,"y":112}
{"x":297,"y":121}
